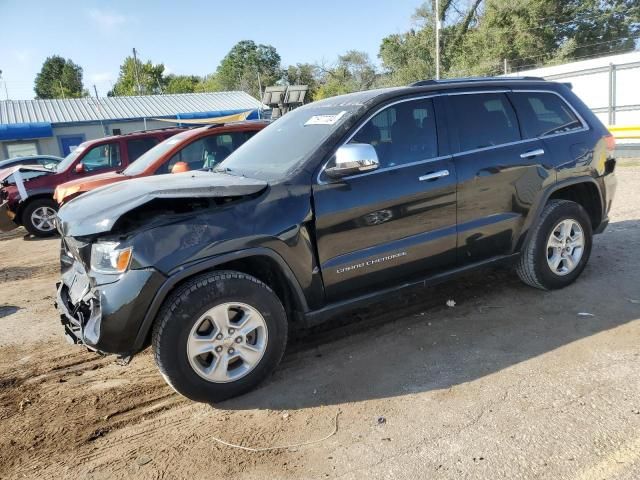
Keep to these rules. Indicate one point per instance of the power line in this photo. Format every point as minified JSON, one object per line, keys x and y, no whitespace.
{"x":583,"y":57}
{"x":611,"y":12}
{"x":579,"y":19}
{"x":580,"y":46}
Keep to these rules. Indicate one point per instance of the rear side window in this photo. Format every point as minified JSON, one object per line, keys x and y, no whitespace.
{"x":544,"y":114}
{"x":484,"y":120}
{"x":138,"y":146}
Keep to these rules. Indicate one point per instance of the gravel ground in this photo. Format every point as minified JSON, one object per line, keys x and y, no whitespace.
{"x":510,"y":383}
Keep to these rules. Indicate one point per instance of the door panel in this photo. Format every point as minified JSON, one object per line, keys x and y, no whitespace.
{"x":376,"y":229}
{"x":499,"y":175}
{"x":379,"y":228}
{"x":496,"y":189}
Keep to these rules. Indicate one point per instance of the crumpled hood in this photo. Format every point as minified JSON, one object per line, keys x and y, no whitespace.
{"x":4,"y":173}
{"x":98,"y":210}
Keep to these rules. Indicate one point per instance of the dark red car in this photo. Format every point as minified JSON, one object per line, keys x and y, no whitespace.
{"x":26,"y":193}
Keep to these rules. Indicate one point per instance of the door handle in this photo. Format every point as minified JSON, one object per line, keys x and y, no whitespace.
{"x":434,"y":175}
{"x":532,"y":153}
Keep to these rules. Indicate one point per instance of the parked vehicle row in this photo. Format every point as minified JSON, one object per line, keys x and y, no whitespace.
{"x":332,"y":206}
{"x":30,"y":195}
{"x":47,"y":161}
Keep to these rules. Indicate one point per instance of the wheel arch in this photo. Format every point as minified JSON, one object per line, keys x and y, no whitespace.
{"x":582,"y":190}
{"x":263,"y":263}
{"x":36,"y":196}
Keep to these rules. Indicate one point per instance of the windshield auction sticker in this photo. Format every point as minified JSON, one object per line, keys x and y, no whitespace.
{"x":325,"y":119}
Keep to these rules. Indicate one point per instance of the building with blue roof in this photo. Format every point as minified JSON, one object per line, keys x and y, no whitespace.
{"x":56,"y":126}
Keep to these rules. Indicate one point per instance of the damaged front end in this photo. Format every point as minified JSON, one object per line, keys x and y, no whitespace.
{"x":102,"y":311}
{"x":108,"y":277}
{"x":13,"y":192}
{"x":79,"y":310}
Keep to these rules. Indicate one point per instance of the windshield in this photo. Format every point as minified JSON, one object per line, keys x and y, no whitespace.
{"x":69,"y":159}
{"x":150,"y":156}
{"x":275,"y":151}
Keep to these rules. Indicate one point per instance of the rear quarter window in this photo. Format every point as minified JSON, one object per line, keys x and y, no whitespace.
{"x":136,"y":147}
{"x":542,"y":114}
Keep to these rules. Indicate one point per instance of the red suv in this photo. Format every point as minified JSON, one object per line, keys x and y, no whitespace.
{"x":194,"y":149}
{"x":26,"y":193}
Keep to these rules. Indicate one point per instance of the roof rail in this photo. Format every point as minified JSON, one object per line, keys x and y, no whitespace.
{"x":149,"y":130}
{"x":424,"y":83}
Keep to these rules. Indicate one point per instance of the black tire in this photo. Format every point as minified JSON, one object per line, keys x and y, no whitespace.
{"x":187,"y":304}
{"x":27,"y":220}
{"x":533,"y":268}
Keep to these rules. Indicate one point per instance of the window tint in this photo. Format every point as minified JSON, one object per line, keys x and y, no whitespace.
{"x":136,"y":147}
{"x":206,"y":152}
{"x":402,"y":133}
{"x":102,"y":157}
{"x":544,"y":114}
{"x":484,"y":120}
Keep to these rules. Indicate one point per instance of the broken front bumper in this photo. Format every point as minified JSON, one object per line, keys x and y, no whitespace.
{"x":105,"y":317}
{"x":6,"y":218}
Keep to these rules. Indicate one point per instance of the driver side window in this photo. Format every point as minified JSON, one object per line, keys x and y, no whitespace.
{"x":402,"y":133}
{"x":102,"y":157}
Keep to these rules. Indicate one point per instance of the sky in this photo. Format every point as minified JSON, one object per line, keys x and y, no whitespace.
{"x":188,"y":36}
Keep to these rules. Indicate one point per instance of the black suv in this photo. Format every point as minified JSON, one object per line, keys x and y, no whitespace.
{"x":331,"y":206}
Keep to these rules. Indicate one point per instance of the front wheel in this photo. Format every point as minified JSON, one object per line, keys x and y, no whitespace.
{"x":39,"y":217}
{"x":559,"y":247}
{"x":219,"y":335}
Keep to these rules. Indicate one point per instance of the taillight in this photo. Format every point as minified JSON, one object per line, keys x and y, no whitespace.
{"x":610,"y":142}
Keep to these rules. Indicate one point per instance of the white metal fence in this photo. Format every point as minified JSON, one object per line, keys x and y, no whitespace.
{"x":610,"y":86}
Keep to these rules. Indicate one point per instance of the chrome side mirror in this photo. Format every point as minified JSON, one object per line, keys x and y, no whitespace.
{"x":353,"y":158}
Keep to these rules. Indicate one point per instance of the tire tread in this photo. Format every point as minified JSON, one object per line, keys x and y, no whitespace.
{"x":525,"y":267}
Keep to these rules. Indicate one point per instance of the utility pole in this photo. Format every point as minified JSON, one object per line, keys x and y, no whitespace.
{"x":61,"y":89}
{"x":95,"y":90}
{"x":506,"y":67}
{"x":6,"y":92}
{"x":437,"y":40}
{"x":259,"y":85}
{"x":135,"y":69}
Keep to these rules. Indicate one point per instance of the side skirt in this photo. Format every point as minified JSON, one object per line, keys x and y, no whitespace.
{"x":317,"y":317}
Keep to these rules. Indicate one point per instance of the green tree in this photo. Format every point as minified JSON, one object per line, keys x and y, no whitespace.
{"x":303,"y":74}
{"x":245,"y":62}
{"x":59,"y":78}
{"x":598,"y":27}
{"x":210,"y":83}
{"x":149,"y":75}
{"x":478,"y":35}
{"x":181,"y":83}
{"x":353,"y":72}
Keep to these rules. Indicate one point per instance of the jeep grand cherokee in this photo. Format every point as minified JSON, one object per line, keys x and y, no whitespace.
{"x":331,"y":206}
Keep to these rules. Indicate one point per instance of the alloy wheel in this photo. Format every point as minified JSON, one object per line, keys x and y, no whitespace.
{"x":43,"y":218}
{"x":565,"y":247}
{"x":227,"y":342}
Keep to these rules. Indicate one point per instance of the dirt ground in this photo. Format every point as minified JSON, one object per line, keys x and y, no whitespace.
{"x":510,"y":383}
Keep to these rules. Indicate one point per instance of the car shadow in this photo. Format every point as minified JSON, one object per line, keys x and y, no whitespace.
{"x":415,"y":343}
{"x":6,"y":310}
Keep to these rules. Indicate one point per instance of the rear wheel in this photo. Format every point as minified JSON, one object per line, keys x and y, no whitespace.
{"x":219,"y":336}
{"x":39,"y":217}
{"x":559,"y":247}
